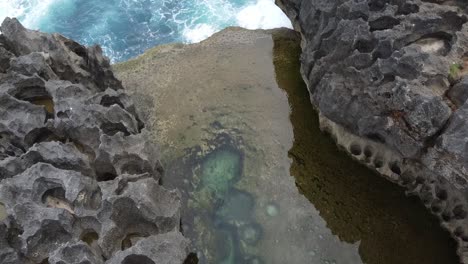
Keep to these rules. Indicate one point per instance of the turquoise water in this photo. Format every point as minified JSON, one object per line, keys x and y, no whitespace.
{"x":126,"y":28}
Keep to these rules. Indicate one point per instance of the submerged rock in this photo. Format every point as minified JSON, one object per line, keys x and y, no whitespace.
{"x":79,"y":181}
{"x":388,"y":80}
{"x":220,"y":169}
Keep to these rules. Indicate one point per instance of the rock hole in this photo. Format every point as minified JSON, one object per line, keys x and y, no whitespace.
{"x":436,"y":206}
{"x":441,"y":193}
{"x":378,"y":162}
{"x":355,"y":149}
{"x":36,"y":95}
{"x":383,"y":23}
{"x":95,"y":201}
{"x":42,"y":134}
{"x":141,"y":124}
{"x":459,"y":212}
{"x":130,"y":240}
{"x":106,"y":176}
{"x":90,"y":237}
{"x":133,"y":165}
{"x":111,"y":129}
{"x":45,"y":261}
{"x":407,"y":178}
{"x":108,"y":101}
{"x":63,"y":115}
{"x":368,"y":152}
{"x":55,"y":198}
{"x":460,"y":180}
{"x":426,"y":194}
{"x":384,"y":50}
{"x":420,"y":180}
{"x":453,"y":21}
{"x":191,"y":259}
{"x":377,"y":5}
{"x":395,"y":168}
{"x":439,"y":43}
{"x":407,"y":8}
{"x":459,"y":231}
{"x":388,"y":78}
{"x":76,"y":48}
{"x":376,"y":137}
{"x":45,"y":101}
{"x":84,"y":149}
{"x":446,"y":216}
{"x":13,"y":235}
{"x":365,"y":46}
{"x":320,"y":54}
{"x":137,"y":259}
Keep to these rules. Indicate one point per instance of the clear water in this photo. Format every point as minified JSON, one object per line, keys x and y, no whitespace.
{"x":260,"y":182}
{"x":126,"y":28}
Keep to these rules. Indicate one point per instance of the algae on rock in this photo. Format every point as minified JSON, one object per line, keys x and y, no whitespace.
{"x":232,"y":100}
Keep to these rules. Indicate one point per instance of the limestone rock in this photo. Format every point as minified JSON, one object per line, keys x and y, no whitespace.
{"x":390,"y":75}
{"x":78,"y":179}
{"x":165,"y":249}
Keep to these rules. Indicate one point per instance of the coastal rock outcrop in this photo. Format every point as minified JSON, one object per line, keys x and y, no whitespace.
{"x":389,"y":80}
{"x":79,"y":181}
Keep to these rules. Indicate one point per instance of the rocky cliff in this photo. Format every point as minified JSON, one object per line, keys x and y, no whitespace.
{"x":79,"y":181}
{"x":389,"y":78}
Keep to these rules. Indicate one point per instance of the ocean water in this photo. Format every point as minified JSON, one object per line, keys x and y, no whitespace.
{"x":126,"y":28}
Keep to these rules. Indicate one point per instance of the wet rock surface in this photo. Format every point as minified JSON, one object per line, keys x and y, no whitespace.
{"x":79,"y":181}
{"x":389,"y":80}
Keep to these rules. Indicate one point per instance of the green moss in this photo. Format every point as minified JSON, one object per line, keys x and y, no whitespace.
{"x":219,"y":169}
{"x":454,"y":71}
{"x":139,"y":61}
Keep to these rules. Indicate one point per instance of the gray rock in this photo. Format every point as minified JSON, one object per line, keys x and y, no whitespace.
{"x":459,"y":92}
{"x":71,"y":61}
{"x":392,"y":74}
{"x":78,"y":179}
{"x":5,"y":57}
{"x":79,"y":253}
{"x":165,"y":249}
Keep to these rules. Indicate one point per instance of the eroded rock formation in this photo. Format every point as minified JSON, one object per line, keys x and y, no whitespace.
{"x":389,"y":78}
{"x":79,"y":181}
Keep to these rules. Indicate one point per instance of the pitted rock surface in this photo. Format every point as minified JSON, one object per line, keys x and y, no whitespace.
{"x":79,"y":181}
{"x":389,"y":78}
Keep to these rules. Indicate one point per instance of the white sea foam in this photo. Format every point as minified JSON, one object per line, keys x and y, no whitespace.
{"x":264,"y":14}
{"x":261,"y":14}
{"x":11,"y":9}
{"x":168,"y":20}
{"x":30,"y":12}
{"x":199,"y":32}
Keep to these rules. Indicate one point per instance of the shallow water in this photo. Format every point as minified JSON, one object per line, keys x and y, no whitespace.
{"x":260,"y":181}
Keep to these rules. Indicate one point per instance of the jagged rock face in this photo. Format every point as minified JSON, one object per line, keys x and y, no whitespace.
{"x":389,"y":78}
{"x":381,"y":68}
{"x":79,"y":181}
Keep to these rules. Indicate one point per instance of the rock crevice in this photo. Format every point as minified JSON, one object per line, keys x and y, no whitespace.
{"x":389,"y":79}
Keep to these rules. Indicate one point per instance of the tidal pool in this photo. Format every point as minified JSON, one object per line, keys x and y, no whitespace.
{"x":260,"y":182}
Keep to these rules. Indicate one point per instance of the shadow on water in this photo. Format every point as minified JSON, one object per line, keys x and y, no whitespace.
{"x":357,"y":204}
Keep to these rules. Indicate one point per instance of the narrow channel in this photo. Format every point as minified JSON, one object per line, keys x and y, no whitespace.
{"x":260,"y":182}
